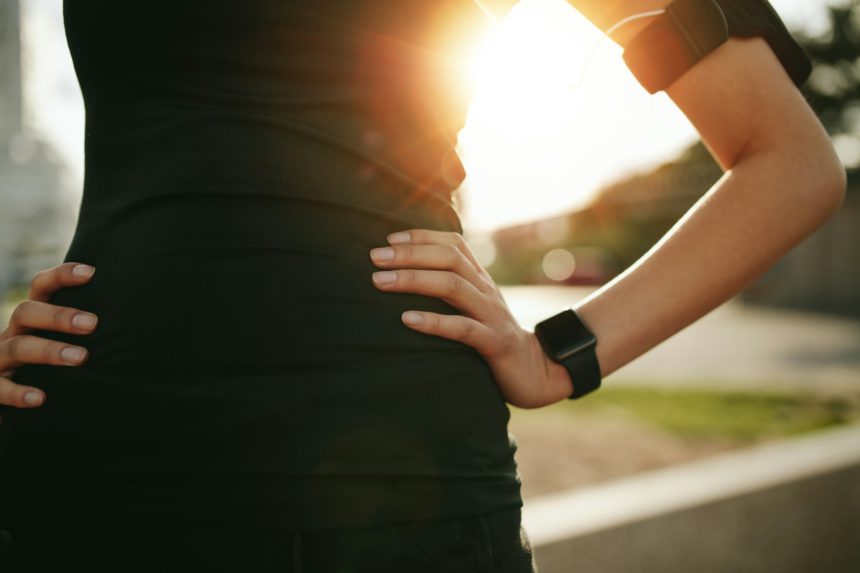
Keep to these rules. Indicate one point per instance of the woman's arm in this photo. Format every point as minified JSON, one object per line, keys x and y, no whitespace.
{"x":17,"y":347}
{"x":783,"y":180}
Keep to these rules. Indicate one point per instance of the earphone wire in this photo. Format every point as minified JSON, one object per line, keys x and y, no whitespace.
{"x":626,"y":20}
{"x":609,"y":32}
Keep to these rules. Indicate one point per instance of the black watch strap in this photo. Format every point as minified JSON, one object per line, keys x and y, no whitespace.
{"x":567,"y":340}
{"x":584,"y":372}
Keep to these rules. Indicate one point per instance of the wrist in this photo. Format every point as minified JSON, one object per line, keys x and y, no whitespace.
{"x":606,"y":353}
{"x":559,"y":385}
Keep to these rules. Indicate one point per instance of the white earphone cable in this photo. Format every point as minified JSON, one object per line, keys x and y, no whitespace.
{"x":626,"y":20}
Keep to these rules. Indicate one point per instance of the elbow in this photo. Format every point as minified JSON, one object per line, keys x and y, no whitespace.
{"x":832,"y":184}
{"x":821,"y":183}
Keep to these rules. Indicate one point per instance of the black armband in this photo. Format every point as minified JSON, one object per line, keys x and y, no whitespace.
{"x":690,"y":29}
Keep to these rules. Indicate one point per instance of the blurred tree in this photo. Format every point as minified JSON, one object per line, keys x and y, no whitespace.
{"x":833,"y":89}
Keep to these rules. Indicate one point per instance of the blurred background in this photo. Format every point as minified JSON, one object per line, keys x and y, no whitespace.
{"x":574,"y":172}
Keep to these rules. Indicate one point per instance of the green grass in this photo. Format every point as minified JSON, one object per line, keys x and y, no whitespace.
{"x":710,"y":414}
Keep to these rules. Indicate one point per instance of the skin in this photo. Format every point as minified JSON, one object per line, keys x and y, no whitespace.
{"x":17,"y":347}
{"x":782,"y":180}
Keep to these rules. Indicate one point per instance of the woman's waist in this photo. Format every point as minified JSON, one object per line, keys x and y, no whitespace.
{"x":255,"y":279}
{"x":438,"y":416}
{"x":231,"y":308}
{"x":341,"y":157}
{"x":203,"y":217}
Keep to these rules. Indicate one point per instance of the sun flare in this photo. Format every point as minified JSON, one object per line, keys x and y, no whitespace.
{"x":555,"y":114}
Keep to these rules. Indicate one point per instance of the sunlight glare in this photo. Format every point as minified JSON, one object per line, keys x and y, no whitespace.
{"x":554,"y":116}
{"x":541,"y":46}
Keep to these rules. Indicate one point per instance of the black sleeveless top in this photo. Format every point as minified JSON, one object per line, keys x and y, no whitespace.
{"x":242,"y":158}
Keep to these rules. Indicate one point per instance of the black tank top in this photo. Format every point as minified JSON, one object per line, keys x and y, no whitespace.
{"x":242,"y":158}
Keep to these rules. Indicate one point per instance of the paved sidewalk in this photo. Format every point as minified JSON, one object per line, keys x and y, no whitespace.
{"x":737,"y":345}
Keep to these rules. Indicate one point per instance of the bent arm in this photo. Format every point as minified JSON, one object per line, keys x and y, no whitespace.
{"x":782,"y":181}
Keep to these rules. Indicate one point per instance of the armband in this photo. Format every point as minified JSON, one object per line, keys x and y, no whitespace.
{"x":688,"y":30}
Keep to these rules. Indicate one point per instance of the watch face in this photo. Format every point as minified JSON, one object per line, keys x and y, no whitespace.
{"x":564,"y":334}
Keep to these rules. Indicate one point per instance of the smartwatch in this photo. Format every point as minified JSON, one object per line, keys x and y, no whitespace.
{"x":568,"y":341}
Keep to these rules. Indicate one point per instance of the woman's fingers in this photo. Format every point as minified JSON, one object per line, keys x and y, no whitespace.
{"x":430,"y":236}
{"x":451,"y":326}
{"x":433,"y":256}
{"x":445,"y":285}
{"x":12,"y":394}
{"x":18,"y":348}
{"x":26,"y":349}
{"x":43,"y":316}
{"x":46,"y":282}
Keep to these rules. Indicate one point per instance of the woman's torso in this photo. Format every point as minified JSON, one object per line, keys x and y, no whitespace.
{"x":241,"y":160}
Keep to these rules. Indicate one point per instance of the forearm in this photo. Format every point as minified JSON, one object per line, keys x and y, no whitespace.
{"x":754,"y":214}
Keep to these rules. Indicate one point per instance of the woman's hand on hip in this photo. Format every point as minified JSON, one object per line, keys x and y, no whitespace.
{"x":17,"y":347}
{"x":441,"y":264}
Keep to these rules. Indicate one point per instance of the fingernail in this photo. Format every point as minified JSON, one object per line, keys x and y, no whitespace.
{"x":413,"y":318}
{"x":383,"y":254}
{"x":83,"y":270}
{"x":84,"y":321}
{"x":400,"y":237}
{"x":33,"y":399}
{"x":384,"y":277}
{"x":72,"y":355}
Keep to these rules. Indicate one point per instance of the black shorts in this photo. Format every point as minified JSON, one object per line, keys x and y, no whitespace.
{"x":491,"y":543}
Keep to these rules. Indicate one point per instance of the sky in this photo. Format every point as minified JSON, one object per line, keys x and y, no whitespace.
{"x":543,"y":133}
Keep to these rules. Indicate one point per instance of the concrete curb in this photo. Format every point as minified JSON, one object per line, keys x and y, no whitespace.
{"x":797,"y":491}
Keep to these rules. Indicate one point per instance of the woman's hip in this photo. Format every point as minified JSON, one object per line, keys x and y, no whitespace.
{"x":491,"y":543}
